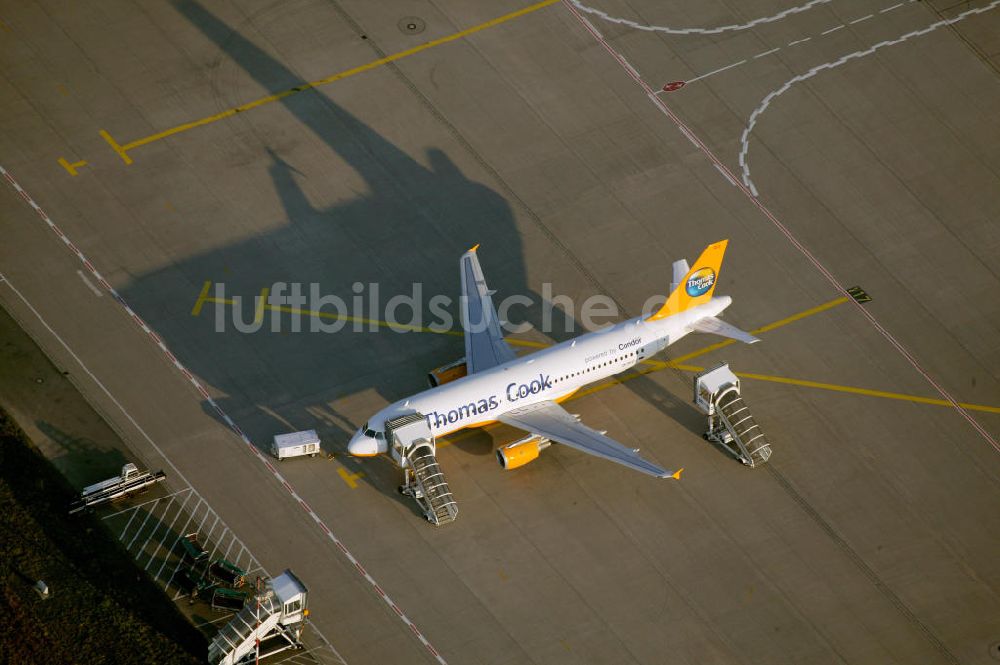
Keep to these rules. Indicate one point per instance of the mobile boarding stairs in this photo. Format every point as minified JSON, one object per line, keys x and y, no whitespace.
{"x":730,"y":423}
{"x":269,"y":623}
{"x":412,"y":447}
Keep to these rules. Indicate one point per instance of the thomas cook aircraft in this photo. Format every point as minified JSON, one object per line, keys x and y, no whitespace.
{"x":492,"y":384}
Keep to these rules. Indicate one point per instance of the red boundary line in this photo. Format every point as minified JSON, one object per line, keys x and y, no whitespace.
{"x":198,"y":386}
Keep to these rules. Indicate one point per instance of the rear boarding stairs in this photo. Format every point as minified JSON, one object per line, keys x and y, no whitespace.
{"x":730,"y":423}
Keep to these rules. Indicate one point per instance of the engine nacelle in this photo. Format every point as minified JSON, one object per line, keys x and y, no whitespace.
{"x":522,"y":451}
{"x":447,"y":373}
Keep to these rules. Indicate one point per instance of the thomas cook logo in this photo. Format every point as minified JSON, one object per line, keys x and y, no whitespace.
{"x":700,"y":281}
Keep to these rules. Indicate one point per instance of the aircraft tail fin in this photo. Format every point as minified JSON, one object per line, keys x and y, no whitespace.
{"x":697,"y":284}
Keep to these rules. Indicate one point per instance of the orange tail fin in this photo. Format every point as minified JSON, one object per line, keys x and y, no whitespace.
{"x":698,"y":284}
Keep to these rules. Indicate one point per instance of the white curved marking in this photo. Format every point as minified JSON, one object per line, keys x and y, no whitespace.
{"x":823,"y":270}
{"x":794,"y":43}
{"x":696,"y":31}
{"x":771,"y":96}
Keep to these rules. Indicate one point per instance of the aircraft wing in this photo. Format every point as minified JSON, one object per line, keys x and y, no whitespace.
{"x":484,"y":343}
{"x":553,"y":422}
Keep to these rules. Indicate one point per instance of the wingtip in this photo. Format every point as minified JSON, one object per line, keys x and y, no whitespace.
{"x":677,"y":474}
{"x":474,"y":247}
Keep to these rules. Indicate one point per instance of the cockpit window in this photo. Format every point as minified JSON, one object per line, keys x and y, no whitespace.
{"x":368,"y":431}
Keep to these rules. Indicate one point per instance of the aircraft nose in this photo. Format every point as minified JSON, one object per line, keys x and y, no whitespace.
{"x":362,"y":446}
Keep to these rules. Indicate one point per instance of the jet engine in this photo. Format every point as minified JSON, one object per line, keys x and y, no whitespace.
{"x":447,"y":373}
{"x":522,"y":451}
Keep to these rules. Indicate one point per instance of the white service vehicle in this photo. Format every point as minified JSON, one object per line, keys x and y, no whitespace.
{"x":296,"y":444}
{"x":131,"y":481}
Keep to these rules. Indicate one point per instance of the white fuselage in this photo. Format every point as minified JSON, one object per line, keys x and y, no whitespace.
{"x":551,"y":374}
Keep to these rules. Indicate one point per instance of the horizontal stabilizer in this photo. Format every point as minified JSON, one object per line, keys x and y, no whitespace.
{"x":681,"y":269}
{"x":715,"y":326}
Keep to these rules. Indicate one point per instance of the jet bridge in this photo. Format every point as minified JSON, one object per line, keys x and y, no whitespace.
{"x":412,"y":447}
{"x":730,"y":423}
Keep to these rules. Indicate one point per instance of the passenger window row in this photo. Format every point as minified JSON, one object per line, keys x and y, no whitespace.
{"x":590,"y":369}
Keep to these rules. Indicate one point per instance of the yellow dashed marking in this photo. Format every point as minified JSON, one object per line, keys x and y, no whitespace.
{"x":350,"y":478}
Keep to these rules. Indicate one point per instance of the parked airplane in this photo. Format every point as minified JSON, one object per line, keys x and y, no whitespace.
{"x":492,"y":384}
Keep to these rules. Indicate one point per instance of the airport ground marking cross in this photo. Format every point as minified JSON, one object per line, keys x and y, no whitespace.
{"x":351,"y":478}
{"x":72,"y":167}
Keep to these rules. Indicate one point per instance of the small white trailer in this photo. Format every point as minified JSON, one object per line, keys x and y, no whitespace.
{"x":296,"y":444}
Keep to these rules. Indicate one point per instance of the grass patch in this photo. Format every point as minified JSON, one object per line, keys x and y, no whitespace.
{"x":102,"y":609}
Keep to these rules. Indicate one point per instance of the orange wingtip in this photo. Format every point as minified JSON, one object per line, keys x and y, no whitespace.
{"x":474,"y":247}
{"x":677,"y":474}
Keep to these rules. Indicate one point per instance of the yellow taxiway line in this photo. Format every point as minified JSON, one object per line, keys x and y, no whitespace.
{"x":746,"y":375}
{"x":262,"y":306}
{"x":865,"y":391}
{"x":763,"y":329}
{"x":649,"y":366}
{"x":656,"y":366}
{"x":123,"y":149}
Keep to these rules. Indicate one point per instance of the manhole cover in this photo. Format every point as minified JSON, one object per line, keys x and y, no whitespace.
{"x":411,"y":25}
